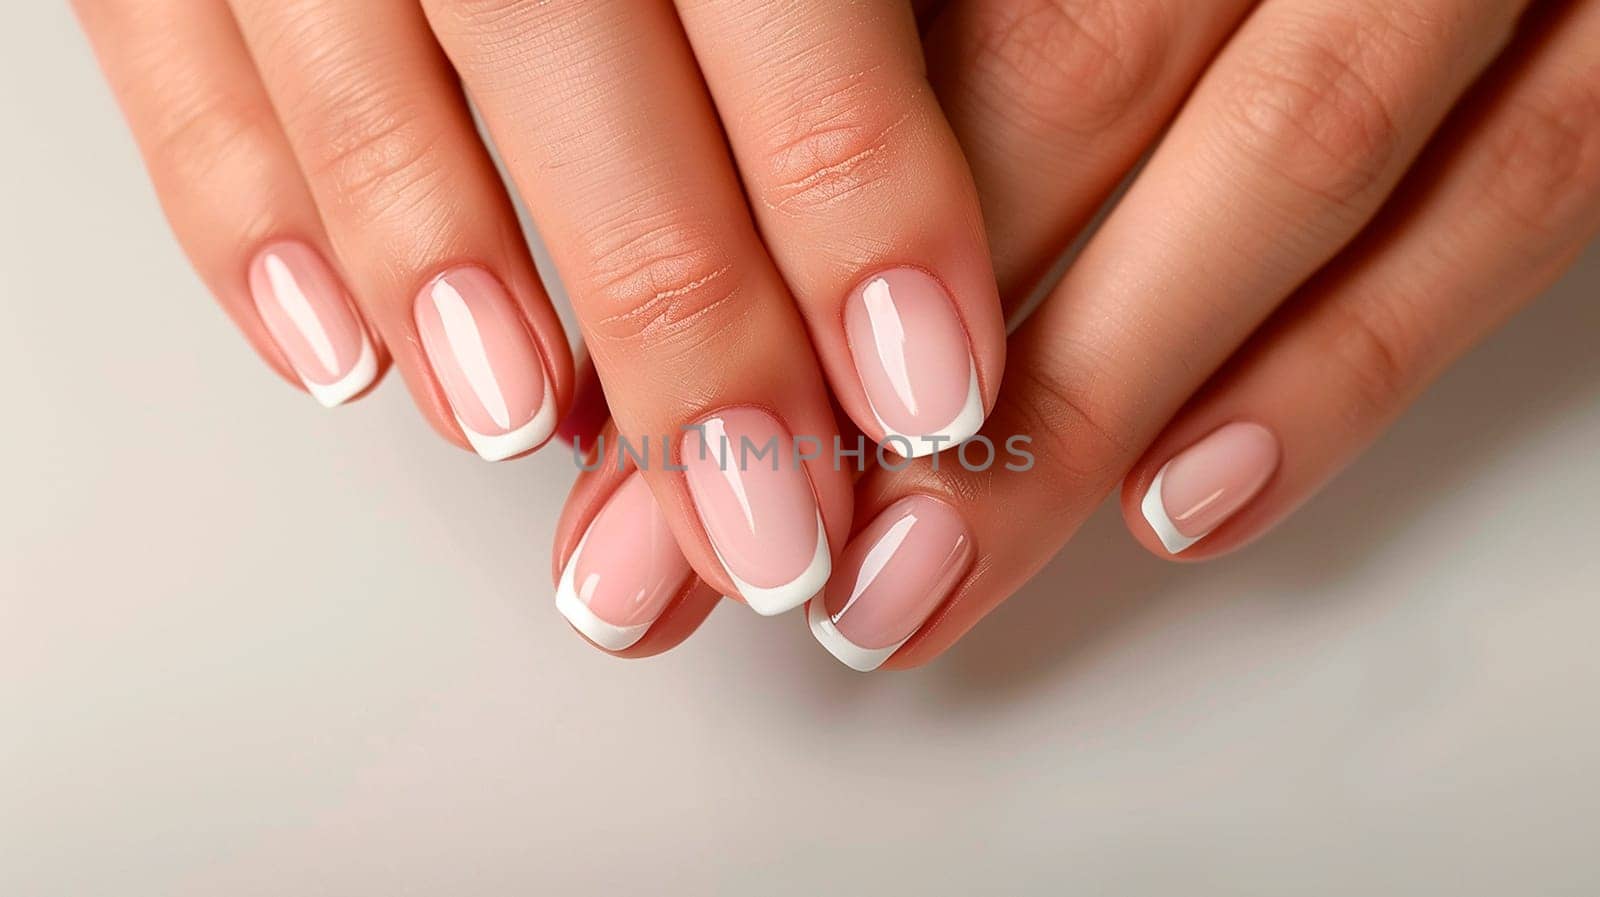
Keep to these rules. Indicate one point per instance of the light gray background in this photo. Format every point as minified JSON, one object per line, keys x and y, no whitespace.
{"x":250,"y":647}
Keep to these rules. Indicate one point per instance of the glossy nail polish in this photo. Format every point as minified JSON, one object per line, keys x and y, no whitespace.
{"x":757,"y":506}
{"x":625,"y":570}
{"x":309,"y":314}
{"x":892,"y":576}
{"x":915,"y":364}
{"x":482,"y":354}
{"x":1208,"y":482}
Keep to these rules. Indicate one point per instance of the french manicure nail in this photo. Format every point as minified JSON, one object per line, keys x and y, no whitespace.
{"x":893,"y":575}
{"x":756,"y":504}
{"x":480,"y":350}
{"x":914,"y":362}
{"x":1208,"y":482}
{"x":625,"y":570}
{"x":310,"y":316}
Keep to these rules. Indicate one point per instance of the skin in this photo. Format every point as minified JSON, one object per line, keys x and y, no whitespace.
{"x":1328,"y":224}
{"x":712,"y":178}
{"x":1346,"y":196}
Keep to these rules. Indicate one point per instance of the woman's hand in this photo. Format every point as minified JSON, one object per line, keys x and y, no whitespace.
{"x":1351,"y":194}
{"x":320,"y":164}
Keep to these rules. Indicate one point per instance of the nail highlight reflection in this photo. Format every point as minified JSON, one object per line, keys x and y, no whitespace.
{"x":309,"y":314}
{"x":892,"y":577}
{"x":916,"y":368}
{"x":486,"y":361}
{"x":625,"y":570}
{"x":758,"y":509}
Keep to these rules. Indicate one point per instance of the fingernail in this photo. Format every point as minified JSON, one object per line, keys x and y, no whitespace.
{"x":1208,"y":482}
{"x":485,"y":359}
{"x":310,"y":316}
{"x":627,"y":567}
{"x":893,"y":575}
{"x":915,"y":366}
{"x":755,"y":502}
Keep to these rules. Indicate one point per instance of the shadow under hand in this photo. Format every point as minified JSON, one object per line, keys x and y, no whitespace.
{"x":1516,"y":386}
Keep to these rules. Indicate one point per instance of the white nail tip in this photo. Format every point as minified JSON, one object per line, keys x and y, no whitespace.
{"x":529,"y":435}
{"x":862,"y":660}
{"x":964,"y":426}
{"x":1155,"y":514}
{"x":607,"y":635}
{"x":774,"y":600}
{"x":349,"y":386}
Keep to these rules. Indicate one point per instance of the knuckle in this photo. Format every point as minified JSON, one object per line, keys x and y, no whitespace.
{"x":1078,"y":437}
{"x":370,"y":144}
{"x":377,"y":158}
{"x":1545,"y":154}
{"x":835,"y":141}
{"x":1315,"y":109}
{"x":1369,"y":348}
{"x":201,"y":133}
{"x":1074,"y":66}
{"x":662,"y":283}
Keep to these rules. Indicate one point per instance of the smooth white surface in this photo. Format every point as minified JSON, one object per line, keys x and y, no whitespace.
{"x":251,"y":648}
{"x":890,"y":338}
{"x":968,"y":421}
{"x":823,"y":624}
{"x":287,"y":293}
{"x":576,"y":609}
{"x":852,"y":655}
{"x":466,"y":346}
{"x":770,"y":601}
{"x":498,"y":447}
{"x":1154,"y":508}
{"x":332,"y":395}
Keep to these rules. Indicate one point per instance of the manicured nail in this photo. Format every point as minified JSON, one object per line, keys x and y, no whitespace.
{"x":311,"y":318}
{"x":755,"y":502}
{"x":485,"y":359}
{"x":916,"y":368}
{"x":893,"y":575}
{"x":626,"y":569}
{"x":1208,"y":482}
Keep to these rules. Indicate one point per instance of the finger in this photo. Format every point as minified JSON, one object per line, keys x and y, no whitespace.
{"x":1284,"y":150}
{"x":866,"y":205}
{"x":1505,"y":200}
{"x":621,"y":580}
{"x":589,"y":412}
{"x":418,"y":215}
{"x":231,"y":188}
{"x":684,"y":314}
{"x":1055,"y":102}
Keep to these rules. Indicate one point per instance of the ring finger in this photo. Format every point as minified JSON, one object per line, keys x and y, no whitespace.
{"x":610,"y":136}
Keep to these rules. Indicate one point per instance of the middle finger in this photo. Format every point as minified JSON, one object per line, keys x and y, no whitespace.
{"x":606,"y":128}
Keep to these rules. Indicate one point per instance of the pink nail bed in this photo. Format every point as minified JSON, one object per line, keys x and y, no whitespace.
{"x":309,"y":314}
{"x":479,"y":347}
{"x":1208,"y":482}
{"x":914,"y":362}
{"x":892,"y":576}
{"x":757,"y":506}
{"x":625,"y":570}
